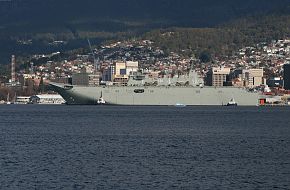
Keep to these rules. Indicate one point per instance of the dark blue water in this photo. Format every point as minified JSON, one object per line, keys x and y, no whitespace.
{"x":95,"y":147}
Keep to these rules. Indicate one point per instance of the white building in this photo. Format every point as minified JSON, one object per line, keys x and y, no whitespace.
{"x":131,"y":67}
{"x":47,"y":99}
{"x":22,"y":99}
{"x":253,"y":77}
{"x":219,"y":75}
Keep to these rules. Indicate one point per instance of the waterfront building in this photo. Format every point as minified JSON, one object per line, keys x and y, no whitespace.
{"x":47,"y":99}
{"x":13,"y":74}
{"x":63,"y":80}
{"x":287,"y":76}
{"x":108,"y":73}
{"x":94,"y":79}
{"x":120,"y":75}
{"x":117,"y":72}
{"x":81,"y":79}
{"x":131,"y":67}
{"x":253,"y":77}
{"x":120,"y":68}
{"x":218,"y":76}
{"x":275,"y":82}
{"x":86,"y":79}
{"x":22,"y":99}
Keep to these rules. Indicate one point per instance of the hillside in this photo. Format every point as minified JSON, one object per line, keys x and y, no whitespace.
{"x":54,"y":15}
{"x":30,"y":26}
{"x":225,"y":39}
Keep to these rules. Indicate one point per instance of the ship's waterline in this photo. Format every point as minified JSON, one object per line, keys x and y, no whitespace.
{"x":156,"y":95}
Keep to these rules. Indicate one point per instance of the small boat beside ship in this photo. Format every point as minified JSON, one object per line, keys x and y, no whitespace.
{"x":232,"y":102}
{"x":101,"y":100}
{"x":179,"y":105}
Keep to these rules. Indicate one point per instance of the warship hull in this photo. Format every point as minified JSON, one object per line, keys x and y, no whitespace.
{"x":158,"y":95}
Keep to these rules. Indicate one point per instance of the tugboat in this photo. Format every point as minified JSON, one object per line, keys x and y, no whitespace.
{"x":101,"y":100}
{"x":232,"y":103}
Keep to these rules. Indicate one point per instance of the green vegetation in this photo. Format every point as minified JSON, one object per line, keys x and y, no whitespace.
{"x":205,"y":56}
{"x":222,"y":40}
{"x":4,"y":70}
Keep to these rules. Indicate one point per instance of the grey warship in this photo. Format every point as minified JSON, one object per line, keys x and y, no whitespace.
{"x":167,"y":92}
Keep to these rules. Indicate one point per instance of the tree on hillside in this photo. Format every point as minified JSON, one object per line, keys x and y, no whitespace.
{"x":205,"y":56}
{"x":41,"y":88}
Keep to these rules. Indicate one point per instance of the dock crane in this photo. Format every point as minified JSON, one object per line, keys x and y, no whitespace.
{"x":96,"y":66}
